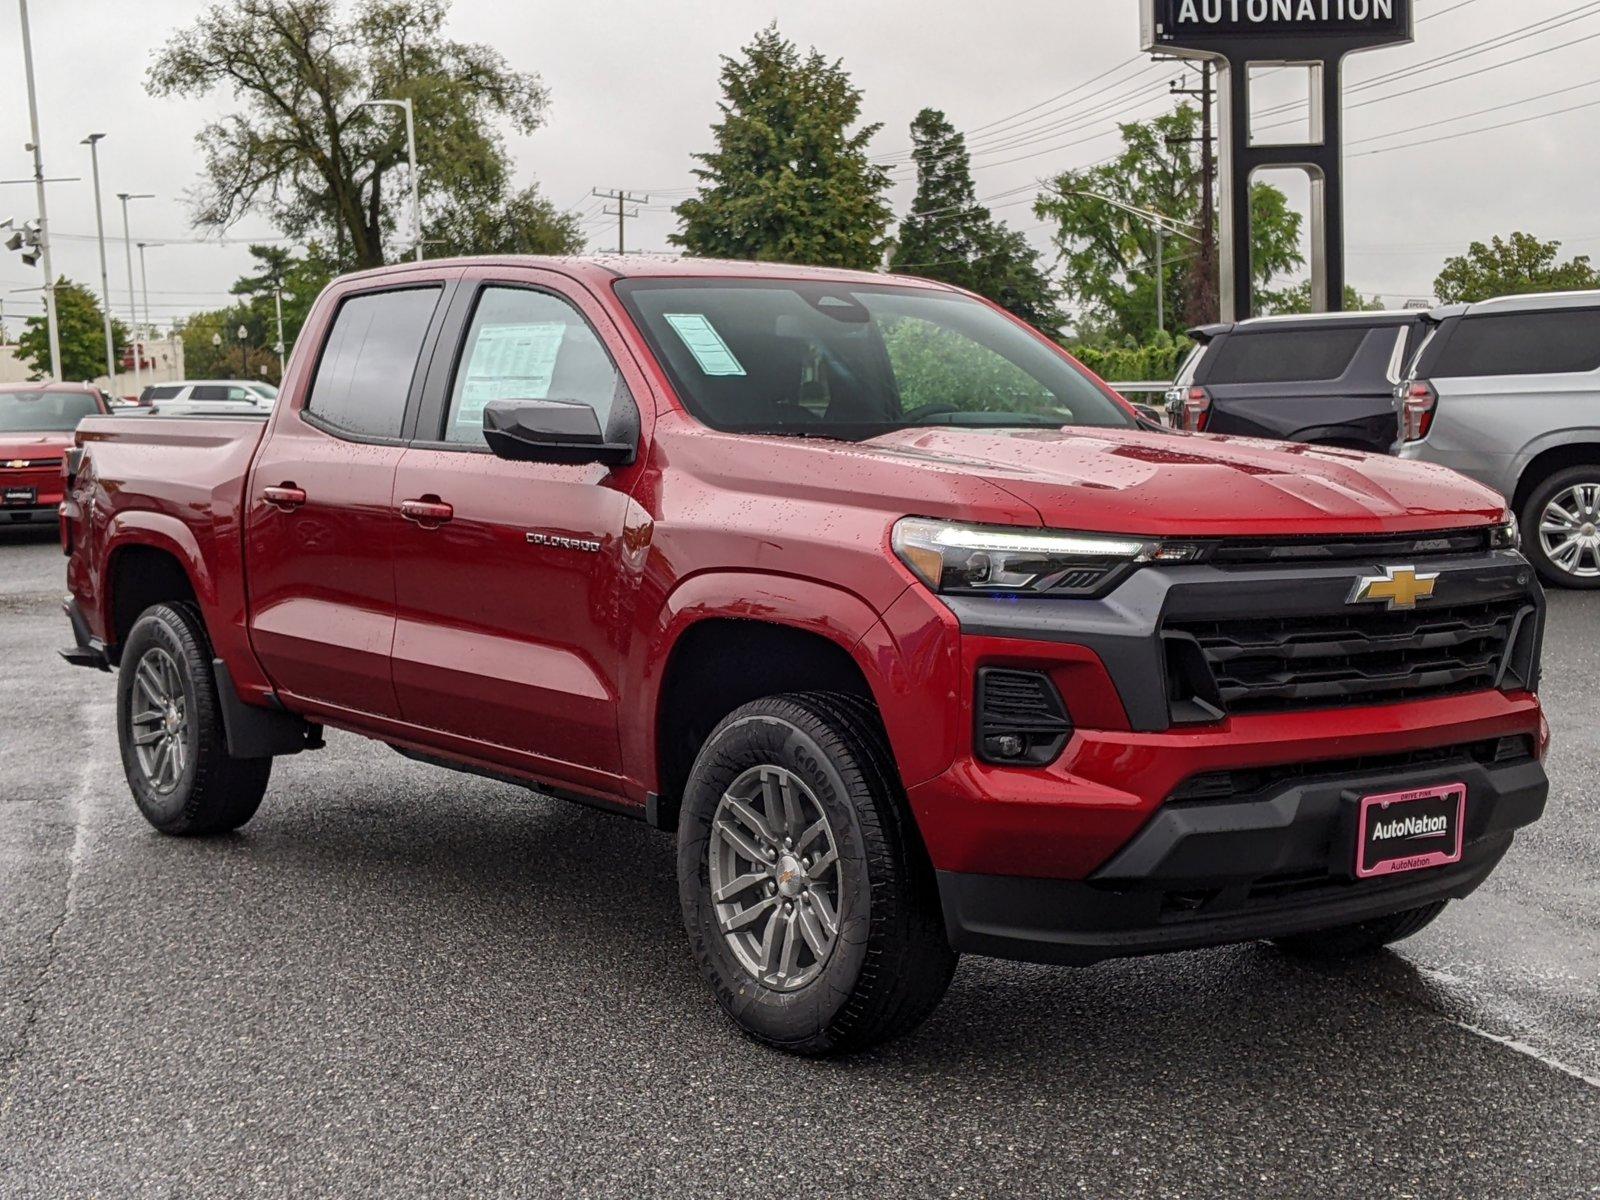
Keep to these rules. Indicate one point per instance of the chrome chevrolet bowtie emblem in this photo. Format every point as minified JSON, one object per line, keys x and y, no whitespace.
{"x":1397,"y":587}
{"x":16,"y":464}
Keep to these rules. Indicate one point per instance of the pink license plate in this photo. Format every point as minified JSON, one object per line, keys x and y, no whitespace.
{"x":1411,"y":831}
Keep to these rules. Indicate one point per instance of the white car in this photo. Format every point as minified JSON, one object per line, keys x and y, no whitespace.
{"x":211,"y":391}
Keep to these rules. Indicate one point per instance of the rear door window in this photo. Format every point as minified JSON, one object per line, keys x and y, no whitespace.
{"x":1533,"y":343}
{"x":1284,"y":356}
{"x":367,"y":364}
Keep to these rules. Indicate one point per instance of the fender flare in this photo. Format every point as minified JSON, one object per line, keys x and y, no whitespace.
{"x":1555,"y":439}
{"x":831,"y":612}
{"x":157,"y":531}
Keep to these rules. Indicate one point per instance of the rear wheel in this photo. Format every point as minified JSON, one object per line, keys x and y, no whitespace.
{"x":1561,"y":528}
{"x":809,"y":902}
{"x":169,"y":724}
{"x":1353,"y":941}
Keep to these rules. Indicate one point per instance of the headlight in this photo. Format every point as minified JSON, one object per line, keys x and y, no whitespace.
{"x":1507,"y":536}
{"x":997,"y":560}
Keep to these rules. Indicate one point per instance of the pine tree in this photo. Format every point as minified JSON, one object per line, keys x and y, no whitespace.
{"x":951,"y":237}
{"x":788,"y":181}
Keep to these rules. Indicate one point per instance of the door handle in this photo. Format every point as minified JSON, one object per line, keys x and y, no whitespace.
{"x":430,"y":513}
{"x":285,"y":496}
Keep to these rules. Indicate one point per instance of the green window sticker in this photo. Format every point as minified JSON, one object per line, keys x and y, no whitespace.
{"x":705,"y":343}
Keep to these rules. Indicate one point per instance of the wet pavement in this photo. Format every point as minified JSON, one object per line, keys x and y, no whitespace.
{"x":401,"y":981}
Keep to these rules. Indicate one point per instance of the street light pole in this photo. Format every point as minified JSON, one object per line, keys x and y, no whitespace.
{"x":1163,"y":226}
{"x":144,"y":288}
{"x":38,"y":186}
{"x":411,"y":156}
{"x":133,"y":300}
{"x":93,"y":142}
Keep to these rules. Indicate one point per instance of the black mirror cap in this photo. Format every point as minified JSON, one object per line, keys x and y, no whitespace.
{"x":552,"y":431}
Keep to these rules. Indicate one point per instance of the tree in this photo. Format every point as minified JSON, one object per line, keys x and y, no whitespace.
{"x":950,"y":237}
{"x":788,"y":181}
{"x":81,"y":323}
{"x":1297,"y":299}
{"x":301,"y":152}
{"x":1110,"y":255}
{"x":1511,"y":267}
{"x":298,"y":279}
{"x":526,"y":223}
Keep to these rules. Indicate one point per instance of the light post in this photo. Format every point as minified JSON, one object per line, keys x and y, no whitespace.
{"x":277,"y":299}
{"x":93,"y":142}
{"x":244,"y":349}
{"x":38,"y":187}
{"x":144,"y":288}
{"x":133,"y":300}
{"x":411,"y":155}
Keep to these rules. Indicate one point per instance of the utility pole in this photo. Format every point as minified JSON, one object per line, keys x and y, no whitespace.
{"x":38,"y":187}
{"x":93,"y":142}
{"x":1206,"y":300}
{"x":277,"y":299}
{"x":623,"y":199}
{"x":1163,"y":225}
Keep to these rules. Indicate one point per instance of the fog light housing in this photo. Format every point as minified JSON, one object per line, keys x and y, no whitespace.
{"x":1021,"y":720}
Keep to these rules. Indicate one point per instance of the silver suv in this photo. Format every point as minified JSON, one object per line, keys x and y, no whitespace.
{"x":1508,"y":392}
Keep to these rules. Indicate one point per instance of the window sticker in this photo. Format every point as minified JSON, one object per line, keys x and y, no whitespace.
{"x":509,"y":362}
{"x":705,"y":343}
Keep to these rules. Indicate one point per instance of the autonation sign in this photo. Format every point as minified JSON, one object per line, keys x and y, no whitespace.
{"x":1188,"y":23}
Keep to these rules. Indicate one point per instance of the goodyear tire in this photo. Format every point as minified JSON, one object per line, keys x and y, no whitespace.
{"x":807,"y":895}
{"x":169,"y":726}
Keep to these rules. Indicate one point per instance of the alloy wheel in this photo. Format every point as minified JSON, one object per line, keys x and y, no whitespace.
{"x":160,"y":721}
{"x":1569,"y":530}
{"x":774,"y":872}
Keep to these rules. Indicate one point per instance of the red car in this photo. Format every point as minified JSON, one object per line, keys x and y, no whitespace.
{"x":37,"y":421}
{"x":916,"y":637}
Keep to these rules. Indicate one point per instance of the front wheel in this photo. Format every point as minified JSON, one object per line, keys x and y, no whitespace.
{"x":1561,"y":528}
{"x":169,"y":724}
{"x":808,"y":898}
{"x":1354,"y":941}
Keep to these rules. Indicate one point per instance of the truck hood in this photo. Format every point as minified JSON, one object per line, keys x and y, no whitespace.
{"x":33,"y":445}
{"x":1128,"y":481}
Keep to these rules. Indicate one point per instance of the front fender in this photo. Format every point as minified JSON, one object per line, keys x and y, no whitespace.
{"x":907,"y":689}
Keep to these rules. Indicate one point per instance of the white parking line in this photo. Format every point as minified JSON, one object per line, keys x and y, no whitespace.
{"x":1533,"y":1052}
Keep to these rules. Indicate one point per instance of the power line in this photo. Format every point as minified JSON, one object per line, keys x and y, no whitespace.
{"x":1482,"y":112}
{"x":1485,"y":129}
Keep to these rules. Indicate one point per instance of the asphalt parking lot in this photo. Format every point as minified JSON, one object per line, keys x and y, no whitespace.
{"x":401,"y":981}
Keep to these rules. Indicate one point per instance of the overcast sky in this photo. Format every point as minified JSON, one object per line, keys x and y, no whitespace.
{"x":634,"y":91}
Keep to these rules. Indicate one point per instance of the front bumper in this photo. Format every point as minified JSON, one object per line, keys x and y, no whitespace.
{"x":1206,"y":873}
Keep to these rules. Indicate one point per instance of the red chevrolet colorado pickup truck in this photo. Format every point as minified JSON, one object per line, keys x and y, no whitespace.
{"x":916,"y":636}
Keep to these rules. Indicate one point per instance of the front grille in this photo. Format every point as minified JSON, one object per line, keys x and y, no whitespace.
{"x":1276,"y":664}
{"x":1385,"y":548}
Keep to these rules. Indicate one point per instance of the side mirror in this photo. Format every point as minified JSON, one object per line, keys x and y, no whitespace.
{"x":552,"y":431}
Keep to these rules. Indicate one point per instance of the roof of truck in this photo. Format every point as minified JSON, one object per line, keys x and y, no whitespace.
{"x":599,"y":268}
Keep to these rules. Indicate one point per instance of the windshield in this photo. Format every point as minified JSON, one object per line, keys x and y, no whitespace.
{"x":854,"y":361}
{"x":44,"y":412}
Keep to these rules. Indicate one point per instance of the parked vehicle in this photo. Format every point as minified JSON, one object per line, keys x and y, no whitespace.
{"x":37,"y":421}
{"x":1508,"y":393}
{"x":1325,"y":379}
{"x":913,"y":634}
{"x":211,"y":391}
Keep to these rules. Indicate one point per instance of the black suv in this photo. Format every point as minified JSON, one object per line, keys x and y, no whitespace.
{"x":1327,"y":378}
